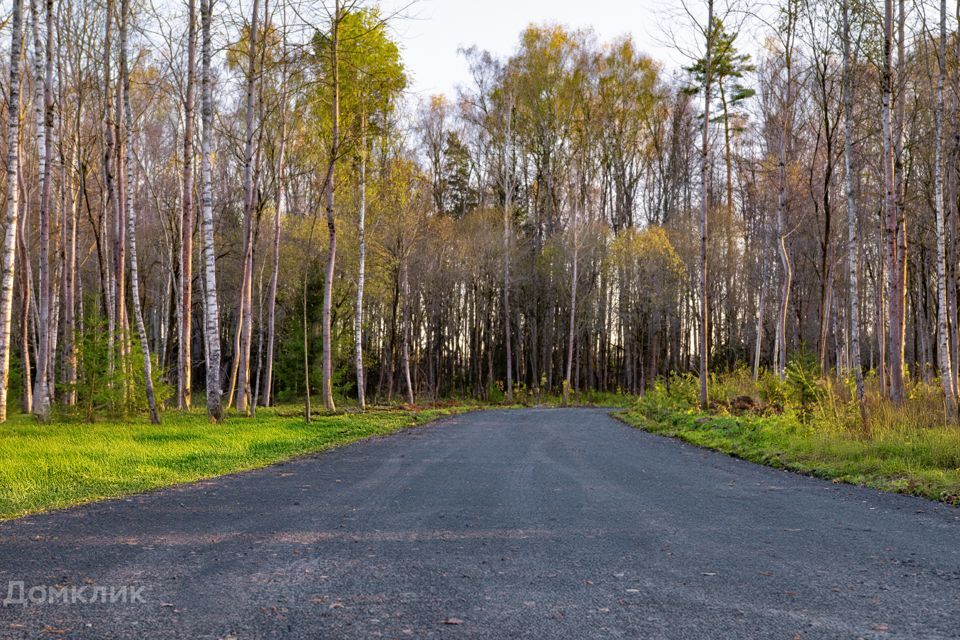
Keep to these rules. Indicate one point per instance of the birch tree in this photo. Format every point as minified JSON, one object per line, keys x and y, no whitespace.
{"x":44,"y":110}
{"x":705,"y":207}
{"x":184,"y":357}
{"x":128,"y":189}
{"x":943,"y":336}
{"x":211,"y":310}
{"x":853,"y":243}
{"x":894,"y":342}
{"x":329,"y":184}
{"x":245,"y":328}
{"x":13,"y":203}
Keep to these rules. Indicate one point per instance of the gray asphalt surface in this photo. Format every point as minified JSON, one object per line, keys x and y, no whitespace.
{"x":502,"y":524}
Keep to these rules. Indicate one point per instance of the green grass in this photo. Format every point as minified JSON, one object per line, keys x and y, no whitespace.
{"x":47,"y":466}
{"x":897,"y":451}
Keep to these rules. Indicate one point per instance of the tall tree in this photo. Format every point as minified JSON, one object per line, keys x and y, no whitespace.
{"x":211,"y":309}
{"x":44,"y":109}
{"x":853,"y":243}
{"x":894,"y":338}
{"x":361,"y":267}
{"x":943,"y":336}
{"x":786,"y":108}
{"x":245,"y":328}
{"x":13,"y":203}
{"x":705,"y":205}
{"x":330,"y":186}
{"x":280,"y":210}
{"x":184,"y":357}
{"x":127,"y":188}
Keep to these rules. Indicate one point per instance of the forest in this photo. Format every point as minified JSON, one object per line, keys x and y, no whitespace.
{"x":239,"y":206}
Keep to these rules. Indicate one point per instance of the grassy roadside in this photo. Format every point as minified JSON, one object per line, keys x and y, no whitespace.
{"x":70,"y":462}
{"x":893,"y":455}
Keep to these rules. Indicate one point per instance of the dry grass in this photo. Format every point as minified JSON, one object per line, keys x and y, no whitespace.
{"x":906,"y":448}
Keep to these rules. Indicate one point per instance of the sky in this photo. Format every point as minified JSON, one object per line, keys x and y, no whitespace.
{"x":431,"y":31}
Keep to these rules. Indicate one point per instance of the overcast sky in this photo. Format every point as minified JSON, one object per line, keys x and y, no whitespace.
{"x":431,"y":31}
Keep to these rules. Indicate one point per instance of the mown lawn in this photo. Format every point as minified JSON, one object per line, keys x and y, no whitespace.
{"x":46,"y":466}
{"x":897,"y":457}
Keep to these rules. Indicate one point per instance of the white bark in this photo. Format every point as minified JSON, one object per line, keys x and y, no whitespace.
{"x":331,"y":221}
{"x":13,"y":204}
{"x":43,"y":109}
{"x":405,"y":288}
{"x":246,"y":290}
{"x":704,"y":209}
{"x":211,"y":310}
{"x":132,"y":216}
{"x":853,"y":244}
{"x":508,"y":185}
{"x":185,"y":325}
{"x":943,"y":339}
{"x":361,"y":232}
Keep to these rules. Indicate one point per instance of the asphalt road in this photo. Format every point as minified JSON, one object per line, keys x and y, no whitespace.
{"x":539,"y":524}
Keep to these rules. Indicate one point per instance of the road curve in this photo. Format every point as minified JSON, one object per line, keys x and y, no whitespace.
{"x":541,"y":523}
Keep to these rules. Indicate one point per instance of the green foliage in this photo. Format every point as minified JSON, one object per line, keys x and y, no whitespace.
{"x":371,"y":73}
{"x":804,"y":386}
{"x":106,"y":387}
{"x":737,"y":383}
{"x":906,"y":448}
{"x":728,"y":68}
{"x":772,"y":389}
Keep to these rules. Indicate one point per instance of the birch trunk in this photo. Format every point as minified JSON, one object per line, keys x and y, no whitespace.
{"x":705,"y":208}
{"x":70,"y":214}
{"x":211,"y":310}
{"x":13,"y":203}
{"x":109,"y":284}
{"x":507,"y":233}
{"x":131,"y":214}
{"x":943,"y":338}
{"x":184,"y":356}
{"x":306,"y":356}
{"x":245,"y":327}
{"x":573,"y":309}
{"x":43,"y":108}
{"x":785,"y":263}
{"x":405,"y":284}
{"x":361,"y":235}
{"x":331,"y":222}
{"x":890,"y":210}
{"x":853,"y":242}
{"x":758,"y":338}
{"x":281,"y":209}
{"x":26,"y":295}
